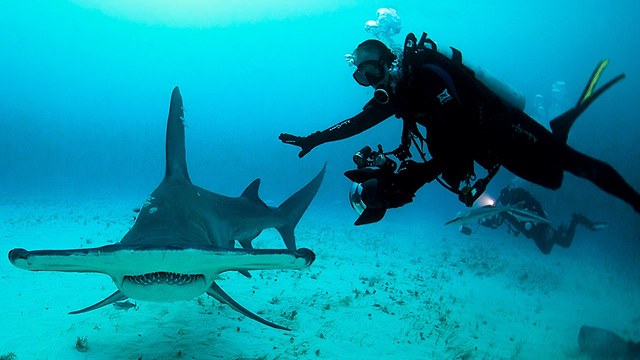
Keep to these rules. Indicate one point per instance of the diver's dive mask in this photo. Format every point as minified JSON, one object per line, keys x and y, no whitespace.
{"x":369,"y":72}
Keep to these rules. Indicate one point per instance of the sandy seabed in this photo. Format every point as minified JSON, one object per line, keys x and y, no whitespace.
{"x":385,"y":291}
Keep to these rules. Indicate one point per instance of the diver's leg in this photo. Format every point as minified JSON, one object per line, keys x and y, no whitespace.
{"x":564,"y":236}
{"x":561,"y":125}
{"x":601,"y":174}
{"x":543,"y":237}
{"x":591,"y":225}
{"x":526,"y":148}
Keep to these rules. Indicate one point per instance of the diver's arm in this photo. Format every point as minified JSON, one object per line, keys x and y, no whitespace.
{"x":372,"y":114}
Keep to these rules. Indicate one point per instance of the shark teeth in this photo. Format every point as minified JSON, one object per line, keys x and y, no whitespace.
{"x":165,"y":278}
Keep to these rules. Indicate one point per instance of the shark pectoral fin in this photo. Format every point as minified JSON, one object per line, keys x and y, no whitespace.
{"x":216,"y":292}
{"x":116,"y":296}
{"x":453,"y":220}
{"x":245,"y":273}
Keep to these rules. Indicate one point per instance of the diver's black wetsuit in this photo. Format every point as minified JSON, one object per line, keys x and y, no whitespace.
{"x":543,"y":234}
{"x":466,"y":122}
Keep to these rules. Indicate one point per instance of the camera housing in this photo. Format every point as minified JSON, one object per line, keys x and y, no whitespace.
{"x":374,"y":187}
{"x":366,"y":157}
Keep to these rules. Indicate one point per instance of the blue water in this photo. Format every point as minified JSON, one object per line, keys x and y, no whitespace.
{"x":85,"y":94}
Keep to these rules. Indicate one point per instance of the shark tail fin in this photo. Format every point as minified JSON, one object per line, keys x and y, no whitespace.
{"x":561,"y":125}
{"x":294,"y":207}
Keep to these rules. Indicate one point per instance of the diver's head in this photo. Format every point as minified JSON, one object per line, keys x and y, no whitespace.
{"x":373,"y":60}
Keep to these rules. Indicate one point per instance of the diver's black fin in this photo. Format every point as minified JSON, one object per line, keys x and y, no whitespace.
{"x":561,"y":125}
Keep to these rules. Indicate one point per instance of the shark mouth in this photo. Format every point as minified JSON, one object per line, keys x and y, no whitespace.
{"x":163,"y":286}
{"x":167,"y":278}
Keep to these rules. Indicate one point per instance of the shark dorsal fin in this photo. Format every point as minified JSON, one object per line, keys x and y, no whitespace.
{"x":251,"y":192}
{"x":176,"y":155}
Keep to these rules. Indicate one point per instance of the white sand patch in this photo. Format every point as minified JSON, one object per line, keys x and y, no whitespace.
{"x":385,"y":291}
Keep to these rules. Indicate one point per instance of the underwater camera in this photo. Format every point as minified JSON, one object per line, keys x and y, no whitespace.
{"x":469,"y":194}
{"x":366,"y":157}
{"x":372,"y":190}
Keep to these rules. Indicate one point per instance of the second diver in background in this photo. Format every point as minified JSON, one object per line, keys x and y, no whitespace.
{"x":543,"y":234}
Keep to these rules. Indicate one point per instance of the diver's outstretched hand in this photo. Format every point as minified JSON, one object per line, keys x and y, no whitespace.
{"x":302,"y":141}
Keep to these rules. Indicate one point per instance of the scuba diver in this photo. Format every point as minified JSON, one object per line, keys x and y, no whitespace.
{"x":467,"y":121}
{"x":542,"y":233}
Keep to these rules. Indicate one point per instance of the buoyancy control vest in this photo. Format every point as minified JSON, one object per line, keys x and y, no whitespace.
{"x":425,"y":51}
{"x":414,"y":50}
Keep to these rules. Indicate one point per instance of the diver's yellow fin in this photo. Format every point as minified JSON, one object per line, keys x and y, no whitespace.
{"x":593,"y":81}
{"x":561,"y":125}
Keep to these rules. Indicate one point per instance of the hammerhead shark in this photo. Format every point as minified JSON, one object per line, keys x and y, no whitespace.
{"x":488,"y":211}
{"x":184,"y":237}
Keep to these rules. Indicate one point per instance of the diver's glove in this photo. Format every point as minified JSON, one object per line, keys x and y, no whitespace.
{"x":307,"y":143}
